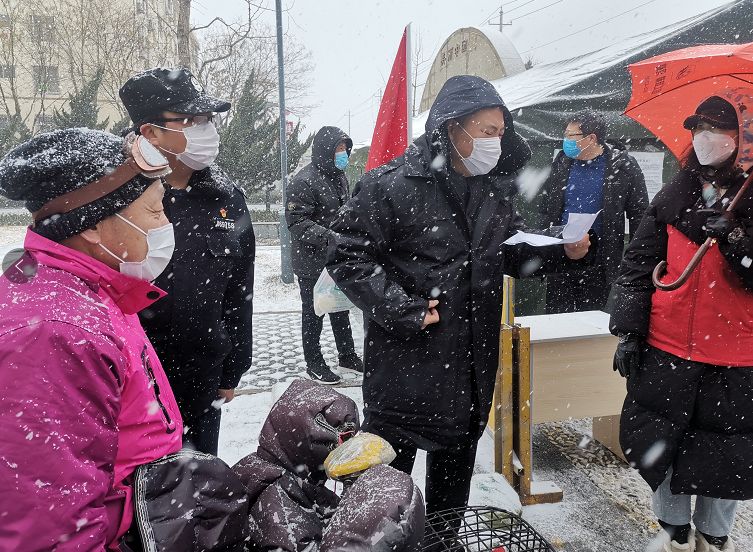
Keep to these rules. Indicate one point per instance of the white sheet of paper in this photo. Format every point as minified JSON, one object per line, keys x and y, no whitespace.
{"x":536,"y":240}
{"x":578,"y":225}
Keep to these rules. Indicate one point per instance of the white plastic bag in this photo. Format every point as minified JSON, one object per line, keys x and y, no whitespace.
{"x":327,"y":296}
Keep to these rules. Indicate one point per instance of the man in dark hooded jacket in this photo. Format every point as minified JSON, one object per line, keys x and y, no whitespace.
{"x":313,"y":199}
{"x":420,"y":251}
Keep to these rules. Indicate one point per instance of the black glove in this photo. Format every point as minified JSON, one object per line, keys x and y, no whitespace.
{"x":719,"y":226}
{"x":628,"y":354}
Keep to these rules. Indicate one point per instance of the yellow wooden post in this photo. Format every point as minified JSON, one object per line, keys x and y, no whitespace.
{"x":511,"y":418}
{"x":508,"y":318}
{"x":522,"y":412}
{"x":502,"y":407}
{"x":529,"y":490}
{"x":508,"y":301}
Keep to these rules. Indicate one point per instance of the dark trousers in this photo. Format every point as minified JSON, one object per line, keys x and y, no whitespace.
{"x":203,"y":433}
{"x":311,"y":327}
{"x":576,"y":292}
{"x":448,"y":474}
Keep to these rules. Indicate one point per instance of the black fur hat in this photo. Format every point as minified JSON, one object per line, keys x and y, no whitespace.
{"x":55,"y":163}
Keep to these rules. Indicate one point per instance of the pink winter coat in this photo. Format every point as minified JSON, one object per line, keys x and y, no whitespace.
{"x":83,"y":400}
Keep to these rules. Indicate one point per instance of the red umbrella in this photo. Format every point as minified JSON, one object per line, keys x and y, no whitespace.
{"x":669,"y":87}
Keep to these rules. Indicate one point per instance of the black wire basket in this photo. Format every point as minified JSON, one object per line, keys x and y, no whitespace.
{"x":481,"y":529}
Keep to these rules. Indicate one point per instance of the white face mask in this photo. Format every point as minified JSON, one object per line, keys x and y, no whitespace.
{"x":484,"y":155}
{"x":713,"y":148}
{"x":202,"y":145}
{"x":160,"y":245}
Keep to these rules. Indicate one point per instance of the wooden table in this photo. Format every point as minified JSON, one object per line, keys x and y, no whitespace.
{"x":571,"y":364}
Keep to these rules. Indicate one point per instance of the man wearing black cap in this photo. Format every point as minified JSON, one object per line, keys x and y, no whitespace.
{"x":202,"y":329}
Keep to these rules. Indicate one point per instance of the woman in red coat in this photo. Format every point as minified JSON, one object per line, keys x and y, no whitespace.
{"x":687,"y":354}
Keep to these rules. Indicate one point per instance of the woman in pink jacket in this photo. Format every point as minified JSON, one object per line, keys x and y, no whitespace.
{"x":83,"y":398}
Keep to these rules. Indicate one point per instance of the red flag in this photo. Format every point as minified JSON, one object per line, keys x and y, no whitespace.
{"x":391,"y":132}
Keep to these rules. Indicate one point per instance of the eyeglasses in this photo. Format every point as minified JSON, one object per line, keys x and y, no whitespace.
{"x":190,"y":120}
{"x":573,"y":135}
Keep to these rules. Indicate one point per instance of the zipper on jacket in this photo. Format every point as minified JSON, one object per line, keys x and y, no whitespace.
{"x":341,"y":435}
{"x":146,"y":363}
{"x":693,"y":303}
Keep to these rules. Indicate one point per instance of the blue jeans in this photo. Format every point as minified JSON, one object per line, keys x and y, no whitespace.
{"x":713,"y":516}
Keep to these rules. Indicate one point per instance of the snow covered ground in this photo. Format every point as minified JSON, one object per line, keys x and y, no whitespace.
{"x":270,"y":294}
{"x":11,"y":235}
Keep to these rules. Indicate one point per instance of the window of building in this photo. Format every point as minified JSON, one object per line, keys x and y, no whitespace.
{"x":5,"y":27}
{"x":42,"y":28}
{"x":4,"y":121}
{"x":7,"y":71}
{"x":46,"y":79}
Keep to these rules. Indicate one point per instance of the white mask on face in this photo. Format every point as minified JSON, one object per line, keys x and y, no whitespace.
{"x":202,"y":145}
{"x":160,"y":245}
{"x":713,"y":148}
{"x":484,"y":155}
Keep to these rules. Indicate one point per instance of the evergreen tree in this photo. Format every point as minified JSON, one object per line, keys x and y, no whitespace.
{"x":15,"y":133}
{"x":83,"y":108}
{"x":296,"y":148}
{"x":249,"y":148}
{"x":120,"y":127}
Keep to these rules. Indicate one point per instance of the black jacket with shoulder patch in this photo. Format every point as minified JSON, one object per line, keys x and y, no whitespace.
{"x":202,"y":329}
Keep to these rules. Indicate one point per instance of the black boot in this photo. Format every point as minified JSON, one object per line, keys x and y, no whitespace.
{"x":352,"y":363}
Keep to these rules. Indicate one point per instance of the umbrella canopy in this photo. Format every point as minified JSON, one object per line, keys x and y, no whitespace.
{"x":667,"y":88}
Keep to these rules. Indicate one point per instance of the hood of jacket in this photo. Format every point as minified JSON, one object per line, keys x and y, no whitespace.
{"x":323,"y":148}
{"x":461,"y":96}
{"x":304,"y":426}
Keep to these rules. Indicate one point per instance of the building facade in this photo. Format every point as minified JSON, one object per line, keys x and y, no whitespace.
{"x":49,"y":49}
{"x":471,"y":51}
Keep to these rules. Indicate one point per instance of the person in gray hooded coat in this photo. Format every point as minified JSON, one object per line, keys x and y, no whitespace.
{"x":313,"y":198}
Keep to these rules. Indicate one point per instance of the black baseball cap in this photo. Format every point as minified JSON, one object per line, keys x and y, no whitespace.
{"x":715,"y":111}
{"x":148,"y":94}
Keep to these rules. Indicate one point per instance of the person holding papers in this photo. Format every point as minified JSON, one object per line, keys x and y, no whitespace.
{"x":420,"y":251}
{"x":589,"y":176}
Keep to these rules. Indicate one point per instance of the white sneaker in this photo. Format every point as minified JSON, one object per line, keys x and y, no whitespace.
{"x":663,"y":543}
{"x":702,"y":545}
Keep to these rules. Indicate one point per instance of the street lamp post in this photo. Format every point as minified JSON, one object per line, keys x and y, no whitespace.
{"x":286,"y":267}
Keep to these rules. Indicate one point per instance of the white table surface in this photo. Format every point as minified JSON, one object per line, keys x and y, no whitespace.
{"x":573,"y":325}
